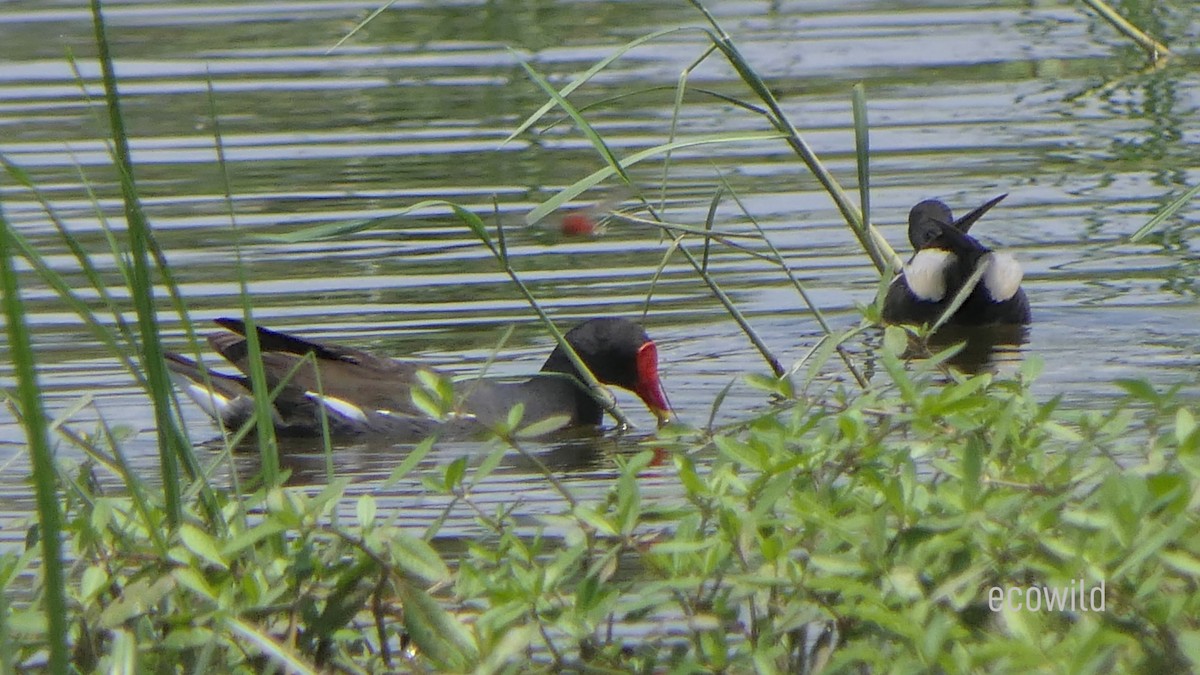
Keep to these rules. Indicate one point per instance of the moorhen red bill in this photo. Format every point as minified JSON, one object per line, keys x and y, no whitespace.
{"x":360,"y":393}
{"x":944,"y":258}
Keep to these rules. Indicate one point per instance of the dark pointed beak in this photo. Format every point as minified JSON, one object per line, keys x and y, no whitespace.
{"x":964,"y":224}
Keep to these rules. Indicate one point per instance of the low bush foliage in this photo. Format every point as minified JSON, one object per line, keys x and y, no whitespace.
{"x":877,"y":521}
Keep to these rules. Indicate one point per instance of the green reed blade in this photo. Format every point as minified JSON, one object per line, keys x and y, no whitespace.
{"x":99,"y":331}
{"x":777,"y":259}
{"x":735,"y":314}
{"x":172,"y":446}
{"x":709,"y":219}
{"x":33,"y":417}
{"x":600,"y":175}
{"x":1166,"y":212}
{"x":581,"y":80}
{"x":1153,"y":48}
{"x":268,"y":444}
{"x":582,"y":124}
{"x":598,"y":391}
{"x":658,"y":272}
{"x":359,"y":26}
{"x":862,"y":150}
{"x":477,"y":226}
{"x":676,"y":107}
{"x":85,"y":265}
{"x":963,"y":293}
{"x":870,"y":239}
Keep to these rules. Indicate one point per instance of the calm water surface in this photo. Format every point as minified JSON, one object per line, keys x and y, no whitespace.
{"x":966,"y":100}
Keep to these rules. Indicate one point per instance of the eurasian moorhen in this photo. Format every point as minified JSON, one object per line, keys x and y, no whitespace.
{"x":944,"y":258}
{"x":361,"y":393}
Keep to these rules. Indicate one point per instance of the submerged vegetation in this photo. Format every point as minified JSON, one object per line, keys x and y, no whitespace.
{"x":842,"y":527}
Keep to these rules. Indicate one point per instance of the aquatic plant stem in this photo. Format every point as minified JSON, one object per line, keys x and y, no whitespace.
{"x":872,"y":241}
{"x":777,"y":258}
{"x":727,"y":302}
{"x":598,"y":391}
{"x":268,"y":449}
{"x":1153,"y":48}
{"x":617,"y":166}
{"x":1165,"y":213}
{"x":968,"y":287}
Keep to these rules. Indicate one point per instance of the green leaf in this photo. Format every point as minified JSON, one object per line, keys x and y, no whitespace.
{"x":198,"y":542}
{"x":335,"y":230}
{"x":181,"y":638}
{"x":1185,"y":425}
{"x":365,"y":510}
{"x":123,"y":655}
{"x":326,"y":231}
{"x":95,"y":579}
{"x":688,"y":476}
{"x":410,"y":462}
{"x":350,"y":594}
{"x":544,"y":426}
{"x":266,"y":645}
{"x":427,"y":402}
{"x":862,"y":148}
{"x":1139,"y":389}
{"x":837,"y":565}
{"x":1149,"y":544}
{"x":675,"y":547}
{"x":438,"y":635}
{"x":582,"y":79}
{"x":251,"y":537}
{"x":895,"y":340}
{"x":474,"y":222}
{"x":511,"y":650}
{"x":972,"y":464}
{"x":194,"y":581}
{"x":514,"y":417}
{"x":454,"y":473}
{"x":597,"y":521}
{"x":1189,"y":644}
{"x":415,"y":556}
{"x":740,"y":452}
{"x":17,"y":173}
{"x":1181,"y":561}
{"x":435,"y":394}
{"x":488,"y":465}
{"x":138,"y":598}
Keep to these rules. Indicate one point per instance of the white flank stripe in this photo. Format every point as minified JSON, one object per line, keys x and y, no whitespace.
{"x":344,"y":409}
{"x":1003,"y":278}
{"x":213,"y":404}
{"x":925,"y":274}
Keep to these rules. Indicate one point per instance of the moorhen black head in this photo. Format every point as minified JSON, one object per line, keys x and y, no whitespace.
{"x":360,"y":393}
{"x":944,"y":258}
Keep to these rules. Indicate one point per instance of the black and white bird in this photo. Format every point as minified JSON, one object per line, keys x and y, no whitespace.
{"x":944,"y":258}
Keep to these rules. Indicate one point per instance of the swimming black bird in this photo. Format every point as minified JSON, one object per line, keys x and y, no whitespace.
{"x":944,"y":258}
{"x":359,"y":393}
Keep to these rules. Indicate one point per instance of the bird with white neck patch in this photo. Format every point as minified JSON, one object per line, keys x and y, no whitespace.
{"x":944,"y":258}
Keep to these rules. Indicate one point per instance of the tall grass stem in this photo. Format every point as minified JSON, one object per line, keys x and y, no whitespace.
{"x":33,"y":417}
{"x":172,"y":446}
{"x":871,"y":240}
{"x":1153,"y":48}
